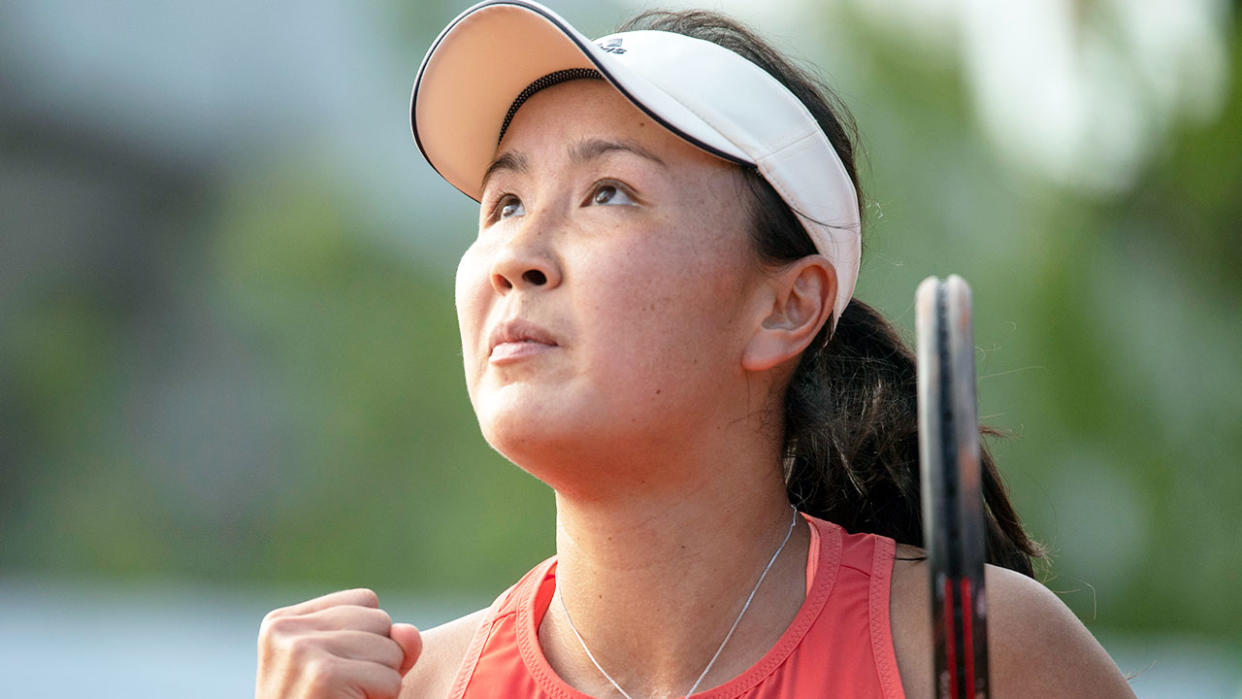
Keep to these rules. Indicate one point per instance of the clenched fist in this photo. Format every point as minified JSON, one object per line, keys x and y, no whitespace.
{"x":339,"y":646}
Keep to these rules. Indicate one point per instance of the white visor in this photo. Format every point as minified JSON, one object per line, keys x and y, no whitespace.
{"x":704,"y":93}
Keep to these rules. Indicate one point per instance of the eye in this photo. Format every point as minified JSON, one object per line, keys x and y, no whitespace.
{"x":610,"y":194}
{"x":508,"y":206}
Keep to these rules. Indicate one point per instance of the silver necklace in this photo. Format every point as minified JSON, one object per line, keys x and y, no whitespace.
{"x":729,"y":635}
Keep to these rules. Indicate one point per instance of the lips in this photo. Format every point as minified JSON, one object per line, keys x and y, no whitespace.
{"x":518,"y":338}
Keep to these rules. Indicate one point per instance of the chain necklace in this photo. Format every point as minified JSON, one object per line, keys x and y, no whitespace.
{"x":723,"y":643}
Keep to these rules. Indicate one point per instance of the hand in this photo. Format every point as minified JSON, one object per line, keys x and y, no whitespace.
{"x":339,"y":646}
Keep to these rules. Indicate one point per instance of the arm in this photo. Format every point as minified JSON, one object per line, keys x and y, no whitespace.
{"x":1036,"y":646}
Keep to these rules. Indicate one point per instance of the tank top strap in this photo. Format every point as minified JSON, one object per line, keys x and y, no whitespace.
{"x":884,"y":554}
{"x":864,"y":585}
{"x":506,"y":605}
{"x":823,"y":563}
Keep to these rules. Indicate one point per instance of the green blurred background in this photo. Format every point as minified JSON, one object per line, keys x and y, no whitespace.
{"x":228,"y":350}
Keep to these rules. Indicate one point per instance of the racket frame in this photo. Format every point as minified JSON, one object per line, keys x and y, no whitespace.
{"x":953,"y":515}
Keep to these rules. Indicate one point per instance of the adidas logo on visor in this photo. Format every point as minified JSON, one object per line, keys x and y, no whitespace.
{"x":613,"y":45}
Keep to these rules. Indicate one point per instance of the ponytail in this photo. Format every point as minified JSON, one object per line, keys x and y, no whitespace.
{"x":851,"y":452}
{"x":852,"y":446}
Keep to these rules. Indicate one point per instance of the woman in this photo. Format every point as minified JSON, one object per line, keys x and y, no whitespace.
{"x":657,"y":321}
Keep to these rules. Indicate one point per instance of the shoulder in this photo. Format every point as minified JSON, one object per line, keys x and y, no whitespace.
{"x":1036,"y":646}
{"x":443,"y":649}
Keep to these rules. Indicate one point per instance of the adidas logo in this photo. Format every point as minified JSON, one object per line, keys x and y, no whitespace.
{"x":612,"y":46}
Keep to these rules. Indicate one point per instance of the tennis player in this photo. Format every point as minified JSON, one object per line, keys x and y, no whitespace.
{"x":657,"y":320}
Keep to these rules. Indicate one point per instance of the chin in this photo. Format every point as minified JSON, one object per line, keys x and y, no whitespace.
{"x":568,"y":448}
{"x":528,"y":434}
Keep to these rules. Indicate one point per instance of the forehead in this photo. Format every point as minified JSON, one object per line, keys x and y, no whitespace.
{"x":579,"y":109}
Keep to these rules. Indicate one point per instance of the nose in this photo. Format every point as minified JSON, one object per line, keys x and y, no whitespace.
{"x":526,"y":261}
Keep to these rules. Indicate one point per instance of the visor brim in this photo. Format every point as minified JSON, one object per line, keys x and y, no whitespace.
{"x":488,"y":55}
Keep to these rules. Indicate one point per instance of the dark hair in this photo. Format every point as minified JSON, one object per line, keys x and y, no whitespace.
{"x":850,"y":410}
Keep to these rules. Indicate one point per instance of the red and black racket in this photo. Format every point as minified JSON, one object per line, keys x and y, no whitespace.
{"x":953,"y":521}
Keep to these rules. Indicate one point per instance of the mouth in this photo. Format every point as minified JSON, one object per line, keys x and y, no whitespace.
{"x":517,"y":339}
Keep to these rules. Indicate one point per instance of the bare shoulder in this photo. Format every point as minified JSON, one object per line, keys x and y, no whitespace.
{"x":443,"y":649}
{"x":1036,"y":646}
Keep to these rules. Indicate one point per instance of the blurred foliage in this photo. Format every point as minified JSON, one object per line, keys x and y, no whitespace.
{"x":1107,"y":332}
{"x":232,"y":374}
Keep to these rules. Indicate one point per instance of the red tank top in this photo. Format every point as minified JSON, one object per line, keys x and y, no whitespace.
{"x":839,"y":645}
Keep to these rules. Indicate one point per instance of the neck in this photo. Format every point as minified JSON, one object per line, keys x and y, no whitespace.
{"x":654,"y":583}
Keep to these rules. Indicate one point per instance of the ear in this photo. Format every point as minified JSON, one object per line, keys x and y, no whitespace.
{"x":801,"y":296}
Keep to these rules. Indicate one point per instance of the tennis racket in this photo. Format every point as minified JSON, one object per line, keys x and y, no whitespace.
{"x":953,"y":523}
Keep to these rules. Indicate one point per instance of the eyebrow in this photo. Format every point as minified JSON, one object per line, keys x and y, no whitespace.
{"x":509,"y":160}
{"x":582,"y":151}
{"x":592,"y":148}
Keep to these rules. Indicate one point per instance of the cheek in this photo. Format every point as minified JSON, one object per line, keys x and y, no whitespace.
{"x":665,"y":309}
{"x":471,"y":292}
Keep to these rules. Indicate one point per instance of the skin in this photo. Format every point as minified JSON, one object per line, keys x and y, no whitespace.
{"x":338,"y":645}
{"x":670,"y":341}
{"x":651,"y":403}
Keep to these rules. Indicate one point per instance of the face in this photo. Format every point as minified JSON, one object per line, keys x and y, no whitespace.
{"x":606,"y":300}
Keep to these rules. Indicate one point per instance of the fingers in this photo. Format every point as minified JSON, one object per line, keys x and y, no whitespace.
{"x":330,"y":677}
{"x":410,"y":641}
{"x":361,"y":645}
{"x":360,"y":597}
{"x":337,"y":645}
{"x":344,"y":617}
{"x":366,"y":619}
